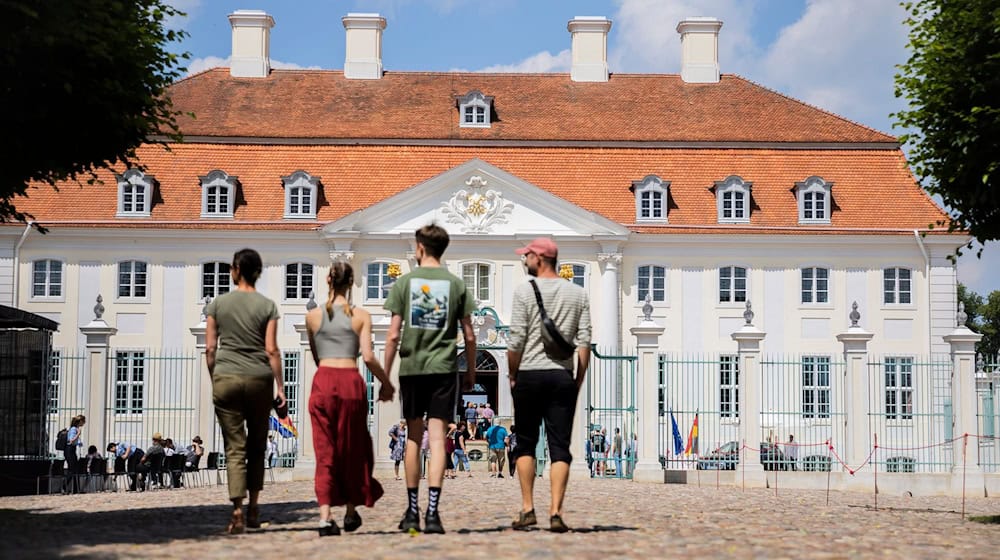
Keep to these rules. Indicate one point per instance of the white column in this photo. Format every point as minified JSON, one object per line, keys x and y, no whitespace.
{"x":855,"y":398}
{"x":98,"y":334}
{"x":647,"y":335}
{"x":305,"y":463}
{"x":963,"y":387}
{"x":505,"y":400}
{"x":610,"y":315}
{"x":386,"y":413}
{"x":205,"y":416}
{"x":748,"y":338}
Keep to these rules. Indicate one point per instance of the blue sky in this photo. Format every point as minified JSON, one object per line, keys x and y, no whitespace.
{"x":836,"y":54}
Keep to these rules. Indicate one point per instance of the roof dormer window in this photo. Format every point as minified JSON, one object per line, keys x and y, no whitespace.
{"x":733,"y":200}
{"x":135,"y":194}
{"x":651,"y":199}
{"x":814,"y":200}
{"x":301,"y":190}
{"x":218,"y":194}
{"x":475,"y":110}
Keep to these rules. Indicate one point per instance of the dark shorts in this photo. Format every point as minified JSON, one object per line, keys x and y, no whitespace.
{"x":548,"y":395}
{"x":432,"y":394}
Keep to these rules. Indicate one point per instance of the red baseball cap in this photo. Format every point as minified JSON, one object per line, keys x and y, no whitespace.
{"x":541,"y":246}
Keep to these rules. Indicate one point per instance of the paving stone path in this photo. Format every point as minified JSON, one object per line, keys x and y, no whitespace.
{"x":611,"y":519}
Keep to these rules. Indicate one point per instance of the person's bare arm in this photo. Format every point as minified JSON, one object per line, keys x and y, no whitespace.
{"x":513,"y":366}
{"x":392,"y":341}
{"x":386,"y":390}
{"x":211,"y":343}
{"x":470,"y":353}
{"x":274,"y":359}
{"x":313,"y":321}
{"x":582,"y":363}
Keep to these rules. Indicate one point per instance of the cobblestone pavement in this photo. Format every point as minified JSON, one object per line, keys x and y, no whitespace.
{"x":611,"y":519}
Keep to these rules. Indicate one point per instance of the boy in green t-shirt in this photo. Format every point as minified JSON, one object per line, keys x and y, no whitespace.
{"x":431,"y":303}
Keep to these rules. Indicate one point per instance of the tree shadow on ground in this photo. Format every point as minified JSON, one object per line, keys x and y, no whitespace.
{"x":40,"y":533}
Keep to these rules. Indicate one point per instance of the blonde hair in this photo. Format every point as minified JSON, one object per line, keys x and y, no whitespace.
{"x":341,"y":279}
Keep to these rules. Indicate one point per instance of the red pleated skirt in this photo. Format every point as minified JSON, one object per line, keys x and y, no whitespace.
{"x":345,"y":460}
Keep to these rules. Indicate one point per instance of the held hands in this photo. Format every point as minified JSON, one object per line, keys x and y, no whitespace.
{"x":385,"y":392}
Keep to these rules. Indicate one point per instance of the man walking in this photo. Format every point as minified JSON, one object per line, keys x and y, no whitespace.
{"x":616,"y":451}
{"x":496,"y":438}
{"x":430,"y":303}
{"x":541,"y":372}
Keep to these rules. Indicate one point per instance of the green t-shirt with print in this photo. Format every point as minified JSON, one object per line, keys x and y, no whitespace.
{"x":432,"y":302}
{"x":241,"y":319}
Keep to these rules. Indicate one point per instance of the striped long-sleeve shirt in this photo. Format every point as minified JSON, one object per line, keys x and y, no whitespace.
{"x":567,"y":306}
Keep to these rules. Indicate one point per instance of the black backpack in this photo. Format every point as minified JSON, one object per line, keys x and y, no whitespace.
{"x":61,"y":438}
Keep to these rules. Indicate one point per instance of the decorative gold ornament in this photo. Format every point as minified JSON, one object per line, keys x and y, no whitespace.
{"x":566,"y":271}
{"x":477,"y":207}
{"x":394,"y":271}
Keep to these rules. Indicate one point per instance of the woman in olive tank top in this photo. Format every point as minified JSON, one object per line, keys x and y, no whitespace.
{"x":338,"y":404}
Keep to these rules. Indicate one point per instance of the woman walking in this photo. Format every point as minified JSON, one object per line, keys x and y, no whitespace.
{"x":244,"y":362}
{"x":338,"y":405}
{"x":72,"y":453}
{"x":397,"y":445}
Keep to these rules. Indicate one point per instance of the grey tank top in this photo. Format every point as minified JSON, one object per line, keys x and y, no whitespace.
{"x":335,"y":337}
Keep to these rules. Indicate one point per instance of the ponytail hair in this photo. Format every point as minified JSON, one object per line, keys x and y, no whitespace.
{"x":341,"y":281}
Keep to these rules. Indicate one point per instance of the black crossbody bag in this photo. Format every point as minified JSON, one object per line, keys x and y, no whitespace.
{"x":555,"y":345}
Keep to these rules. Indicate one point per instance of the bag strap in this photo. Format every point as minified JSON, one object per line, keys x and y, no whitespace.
{"x":557,"y":336}
{"x":538,"y":298}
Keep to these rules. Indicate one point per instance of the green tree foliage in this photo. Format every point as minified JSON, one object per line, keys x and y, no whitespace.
{"x":983,"y":317}
{"x":951,"y":83}
{"x":82,"y":85}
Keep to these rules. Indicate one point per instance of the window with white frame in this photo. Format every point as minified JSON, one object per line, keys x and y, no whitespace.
{"x":132,"y":279}
{"x":301,"y":191}
{"x":55,"y":380}
{"x":652,"y":280}
{"x":218,"y":194}
{"x":732,"y":284}
{"x":814,"y":200}
{"x":474,"y":110}
{"x":46,"y":278}
{"x":729,"y":386}
{"x":477,"y":280}
{"x":135,"y":194}
{"x":290,"y":374}
{"x":651,"y":199}
{"x":898,"y":388}
{"x":130,"y":378}
{"x":815,"y":285}
{"x":897,"y":286}
{"x":579,"y":275}
{"x":815,"y":386}
{"x":377,"y":281}
{"x":298,"y":280}
{"x":215,"y":279}
{"x":733,"y":200}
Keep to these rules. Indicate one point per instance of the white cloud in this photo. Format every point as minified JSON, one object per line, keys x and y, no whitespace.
{"x":189,"y":7}
{"x":541,"y":62}
{"x":201,"y":64}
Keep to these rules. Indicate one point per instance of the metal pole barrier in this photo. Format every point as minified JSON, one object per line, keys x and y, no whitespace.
{"x":875,"y":466}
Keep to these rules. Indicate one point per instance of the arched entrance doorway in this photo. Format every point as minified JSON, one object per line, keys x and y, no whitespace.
{"x":487,"y":379}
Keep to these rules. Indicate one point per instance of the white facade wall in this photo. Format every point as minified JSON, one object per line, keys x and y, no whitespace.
{"x":6,"y":275}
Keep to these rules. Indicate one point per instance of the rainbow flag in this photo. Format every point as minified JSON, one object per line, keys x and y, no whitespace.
{"x":284,"y":426}
{"x":692,"y":446}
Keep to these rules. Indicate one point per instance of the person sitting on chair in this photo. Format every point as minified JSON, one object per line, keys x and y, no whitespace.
{"x":131,"y":455}
{"x":193,"y":454}
{"x":152,"y":462}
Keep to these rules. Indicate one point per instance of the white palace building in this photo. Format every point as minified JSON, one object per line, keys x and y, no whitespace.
{"x":700,"y":193}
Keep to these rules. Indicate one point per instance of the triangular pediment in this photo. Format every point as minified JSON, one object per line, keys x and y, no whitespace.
{"x":477,"y":198}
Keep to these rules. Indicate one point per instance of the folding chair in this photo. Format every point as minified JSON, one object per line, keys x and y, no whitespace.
{"x":193,"y":476}
{"x":119,"y":473}
{"x":212,"y":464}
{"x":174,"y":465}
{"x":52,"y":480}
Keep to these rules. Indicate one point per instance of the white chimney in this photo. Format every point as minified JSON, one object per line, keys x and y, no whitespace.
{"x":590,"y":48}
{"x":363,"y":57}
{"x":699,"y":49}
{"x":251,"y":43}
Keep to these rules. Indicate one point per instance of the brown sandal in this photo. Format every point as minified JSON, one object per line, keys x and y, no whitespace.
{"x":253,"y":517}
{"x":236,"y":525}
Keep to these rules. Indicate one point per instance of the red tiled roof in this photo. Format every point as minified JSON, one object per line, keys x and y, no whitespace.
{"x":529,"y":107}
{"x":873,"y":190}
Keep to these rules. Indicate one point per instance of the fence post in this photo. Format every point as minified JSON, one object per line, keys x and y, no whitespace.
{"x":855,"y":398}
{"x":748,"y":340}
{"x":98,"y":334}
{"x":387,"y":414}
{"x":206,"y":408}
{"x":963,"y":398}
{"x":647,"y":379}
{"x":305,"y":463}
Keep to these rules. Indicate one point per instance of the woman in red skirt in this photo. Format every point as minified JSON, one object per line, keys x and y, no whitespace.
{"x":338,"y":406}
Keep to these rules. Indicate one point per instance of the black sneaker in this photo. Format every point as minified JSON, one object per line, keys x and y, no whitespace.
{"x":330,"y":530}
{"x":410,"y":521}
{"x":432,"y":523}
{"x":499,"y":476}
{"x":352,"y":522}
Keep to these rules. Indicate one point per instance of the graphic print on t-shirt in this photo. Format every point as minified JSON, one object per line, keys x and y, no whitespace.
{"x":429,"y":303}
